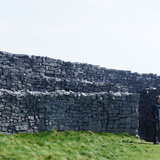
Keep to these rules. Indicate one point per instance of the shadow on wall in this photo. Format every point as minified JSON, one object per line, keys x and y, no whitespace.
{"x":147,"y":99}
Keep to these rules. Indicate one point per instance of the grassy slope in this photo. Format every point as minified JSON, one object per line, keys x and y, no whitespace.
{"x":70,"y":145}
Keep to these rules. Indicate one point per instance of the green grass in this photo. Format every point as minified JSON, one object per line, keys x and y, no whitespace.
{"x":70,"y":145}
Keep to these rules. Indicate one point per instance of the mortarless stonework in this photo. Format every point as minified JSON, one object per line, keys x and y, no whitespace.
{"x":99,"y":112}
{"x":41,"y":93}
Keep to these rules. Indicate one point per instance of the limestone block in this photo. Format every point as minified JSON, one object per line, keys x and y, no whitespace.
{"x":95,"y":127}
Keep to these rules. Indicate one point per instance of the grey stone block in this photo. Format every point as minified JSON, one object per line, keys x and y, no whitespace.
{"x":95,"y":127}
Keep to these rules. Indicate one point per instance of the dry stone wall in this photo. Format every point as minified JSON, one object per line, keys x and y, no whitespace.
{"x":22,"y":72}
{"x":61,"y":110}
{"x":41,"y":93}
{"x":145,"y":119}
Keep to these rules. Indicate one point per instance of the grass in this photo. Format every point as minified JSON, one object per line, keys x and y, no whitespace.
{"x":70,"y":145}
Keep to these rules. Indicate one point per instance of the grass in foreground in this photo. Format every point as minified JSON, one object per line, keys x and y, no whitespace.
{"x":70,"y":145}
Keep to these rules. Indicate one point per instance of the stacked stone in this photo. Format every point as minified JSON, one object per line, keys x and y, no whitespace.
{"x":26,"y":74}
{"x":98,"y":112}
{"x":147,"y":100}
{"x":21,"y":72}
{"x":123,"y":113}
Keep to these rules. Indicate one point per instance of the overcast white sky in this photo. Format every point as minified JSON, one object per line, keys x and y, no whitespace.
{"x":116,"y":34}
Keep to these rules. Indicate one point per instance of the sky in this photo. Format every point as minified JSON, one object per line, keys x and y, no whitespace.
{"x":115,"y":34}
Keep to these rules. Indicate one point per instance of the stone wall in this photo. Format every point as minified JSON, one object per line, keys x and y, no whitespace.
{"x":148,"y":98}
{"x":61,"y":110}
{"x":22,"y":72}
{"x":31,"y":75}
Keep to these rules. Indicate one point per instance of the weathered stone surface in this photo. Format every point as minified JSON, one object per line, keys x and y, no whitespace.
{"x":40,"y":93}
{"x":95,"y":127}
{"x":34,"y":111}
